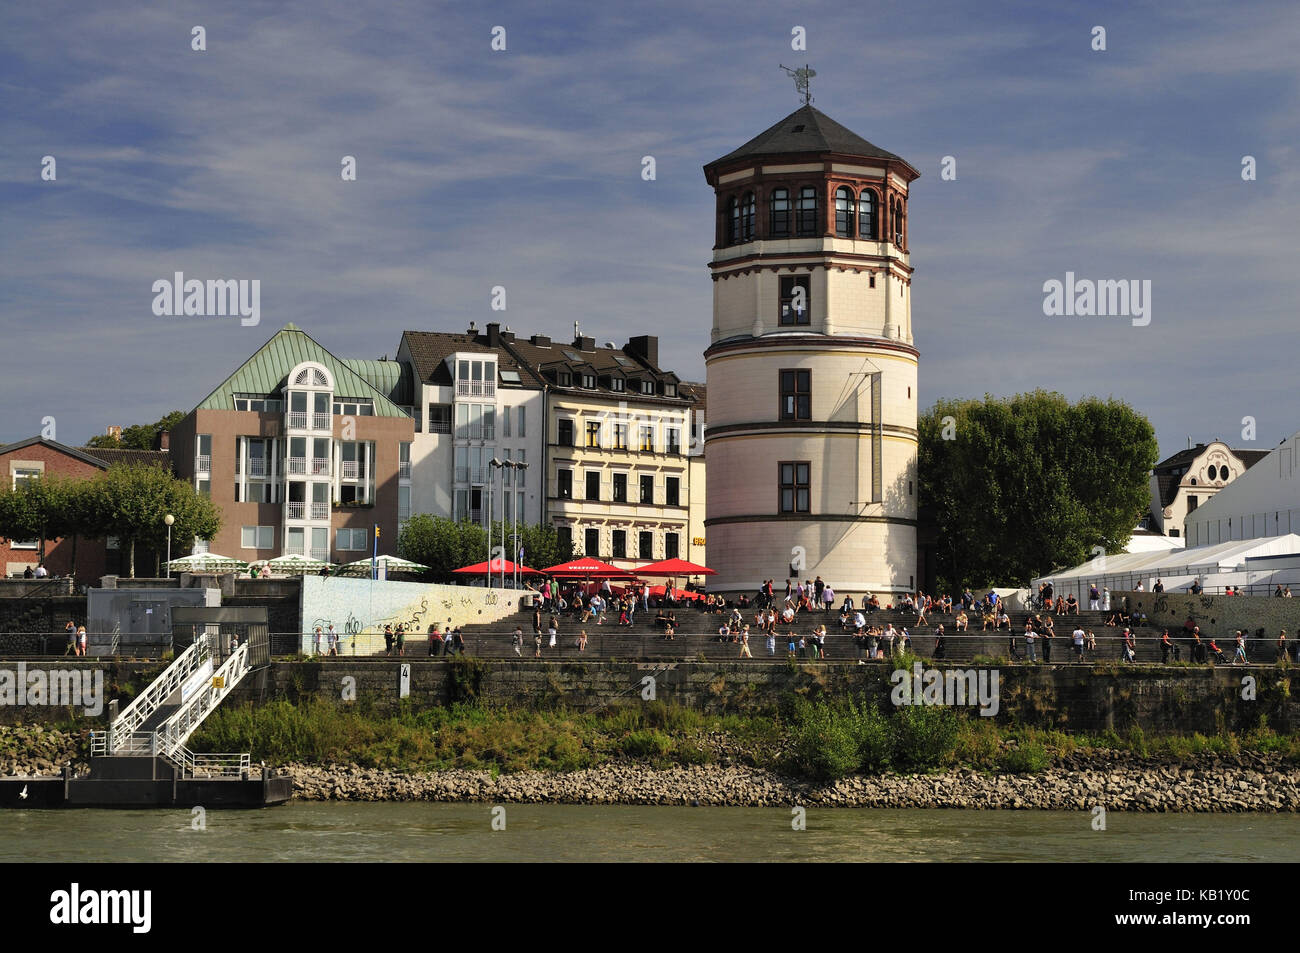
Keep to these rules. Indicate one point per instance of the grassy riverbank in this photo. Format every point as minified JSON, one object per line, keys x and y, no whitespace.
{"x":820,"y":741}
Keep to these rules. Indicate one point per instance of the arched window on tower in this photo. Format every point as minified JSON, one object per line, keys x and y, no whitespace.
{"x":898,"y":223}
{"x":806,"y":220}
{"x":780,"y":213}
{"x":747,"y":218}
{"x":843,"y":212}
{"x":867,"y":214}
{"x":733,"y":221}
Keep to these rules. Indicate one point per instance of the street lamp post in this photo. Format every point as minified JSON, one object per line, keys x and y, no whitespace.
{"x":520,"y":476}
{"x":494,"y":464}
{"x":169,"y":520}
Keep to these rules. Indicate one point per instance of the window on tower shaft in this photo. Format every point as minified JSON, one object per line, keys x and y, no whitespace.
{"x":733,"y":221}
{"x":795,"y":486}
{"x":780,"y":204}
{"x":747,"y":205}
{"x":844,"y":212}
{"x":795,"y":299}
{"x":796,"y":395}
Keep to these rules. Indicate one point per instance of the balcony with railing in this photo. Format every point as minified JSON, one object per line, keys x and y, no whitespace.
{"x":256,"y":467}
{"x":321,"y":553}
{"x":296,"y":511}
{"x":320,"y":511}
{"x":350,"y":469}
{"x":298,"y":420}
{"x":296,"y":464}
{"x":322,"y":422}
{"x":476,"y":389}
{"x":404,"y":470}
{"x":320,"y":465}
{"x":203,"y":463}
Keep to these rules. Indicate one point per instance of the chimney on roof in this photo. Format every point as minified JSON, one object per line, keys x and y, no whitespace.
{"x":164,"y":441}
{"x":646,"y":347}
{"x":540,"y":340}
{"x":507,"y":334}
{"x":493,"y":333}
{"x":584,"y":344}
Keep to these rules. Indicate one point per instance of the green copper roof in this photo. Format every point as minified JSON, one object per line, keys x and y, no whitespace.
{"x":390,"y":378}
{"x":268,"y":369}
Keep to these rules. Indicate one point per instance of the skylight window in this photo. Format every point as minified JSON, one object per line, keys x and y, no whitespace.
{"x":573,"y":357}
{"x":510,"y":377}
{"x":622,"y":361}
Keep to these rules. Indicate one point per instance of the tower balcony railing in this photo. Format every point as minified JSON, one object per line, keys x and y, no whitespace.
{"x":298,"y":419}
{"x":320,"y":511}
{"x":256,"y":467}
{"x":322,"y":422}
{"x":320,"y":465}
{"x":296,"y":465}
{"x":296,"y":511}
{"x":350,"y":469}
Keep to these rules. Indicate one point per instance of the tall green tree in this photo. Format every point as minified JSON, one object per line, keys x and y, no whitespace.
{"x":1020,"y":487}
{"x":130,"y":501}
{"x":138,"y":436}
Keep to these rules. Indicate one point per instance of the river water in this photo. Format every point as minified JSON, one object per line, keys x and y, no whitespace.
{"x":426,"y":831}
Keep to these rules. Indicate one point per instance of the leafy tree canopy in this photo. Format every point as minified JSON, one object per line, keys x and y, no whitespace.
{"x":138,"y":436}
{"x":1020,"y":487}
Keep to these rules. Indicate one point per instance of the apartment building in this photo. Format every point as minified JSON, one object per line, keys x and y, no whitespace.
{"x":304,"y":452}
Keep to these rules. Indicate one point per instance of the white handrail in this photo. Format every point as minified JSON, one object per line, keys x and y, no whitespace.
{"x":148,"y":701}
{"x":173,"y":732}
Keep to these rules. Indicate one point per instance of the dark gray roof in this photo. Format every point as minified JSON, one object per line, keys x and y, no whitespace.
{"x":126,"y":455}
{"x":81,"y":453}
{"x":808,"y":130}
{"x":429,"y":351}
{"x":605,"y":362}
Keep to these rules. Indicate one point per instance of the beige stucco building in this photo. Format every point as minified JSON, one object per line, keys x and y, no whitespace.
{"x":1192,"y":477}
{"x":812,"y":373}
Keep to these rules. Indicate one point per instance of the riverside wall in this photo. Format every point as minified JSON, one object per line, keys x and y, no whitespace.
{"x":1072,"y":698}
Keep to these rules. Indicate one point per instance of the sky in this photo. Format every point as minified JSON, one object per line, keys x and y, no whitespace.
{"x":522,"y":168}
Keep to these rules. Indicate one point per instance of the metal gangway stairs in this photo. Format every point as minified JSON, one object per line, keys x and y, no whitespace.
{"x":161,"y":719}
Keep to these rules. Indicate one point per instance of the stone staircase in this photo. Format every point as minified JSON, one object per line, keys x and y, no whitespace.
{"x":697,"y":633}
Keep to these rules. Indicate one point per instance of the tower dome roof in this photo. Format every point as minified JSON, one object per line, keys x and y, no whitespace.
{"x":807,"y":130}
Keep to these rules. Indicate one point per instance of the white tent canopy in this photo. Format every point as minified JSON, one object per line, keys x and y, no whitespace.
{"x":206,"y":562}
{"x":1222,"y":564}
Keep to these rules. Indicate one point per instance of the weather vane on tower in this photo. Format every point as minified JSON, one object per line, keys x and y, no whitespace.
{"x":803,"y":81}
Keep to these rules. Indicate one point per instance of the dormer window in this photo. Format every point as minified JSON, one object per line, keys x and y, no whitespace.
{"x":564,"y":379}
{"x":647,"y":387}
{"x":617,"y":385}
{"x":588,"y":381}
{"x":670,"y":390}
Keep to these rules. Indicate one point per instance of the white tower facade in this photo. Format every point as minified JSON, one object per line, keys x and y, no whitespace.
{"x":812,"y":373}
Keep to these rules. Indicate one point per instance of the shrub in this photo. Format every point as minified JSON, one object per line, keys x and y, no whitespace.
{"x":650,"y":743}
{"x":1030,"y":758}
{"x":924,"y":737}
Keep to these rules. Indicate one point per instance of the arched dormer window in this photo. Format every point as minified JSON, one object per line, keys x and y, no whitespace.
{"x":780,"y":205}
{"x":867,"y":214}
{"x":747,"y":207}
{"x":733,"y":221}
{"x":806,"y":214}
{"x":843,"y":212}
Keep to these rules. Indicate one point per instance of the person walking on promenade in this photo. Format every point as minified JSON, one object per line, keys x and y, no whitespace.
{"x":940,"y":644}
{"x":517,"y":640}
{"x":401,"y":639}
{"x":1078,"y":637}
{"x":81,"y":641}
{"x":1240,"y":654}
{"x":315,"y":642}
{"x":582,"y":640}
{"x":1166,"y":648}
{"x":71,"y":631}
{"x":435,"y":640}
{"x":744,"y":643}
{"x":388,"y":638}
{"x":1282,"y":653}
{"x":1094,"y":597}
{"x":1030,"y":637}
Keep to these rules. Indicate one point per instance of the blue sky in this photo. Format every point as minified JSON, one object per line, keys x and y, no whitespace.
{"x":522,"y":168}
